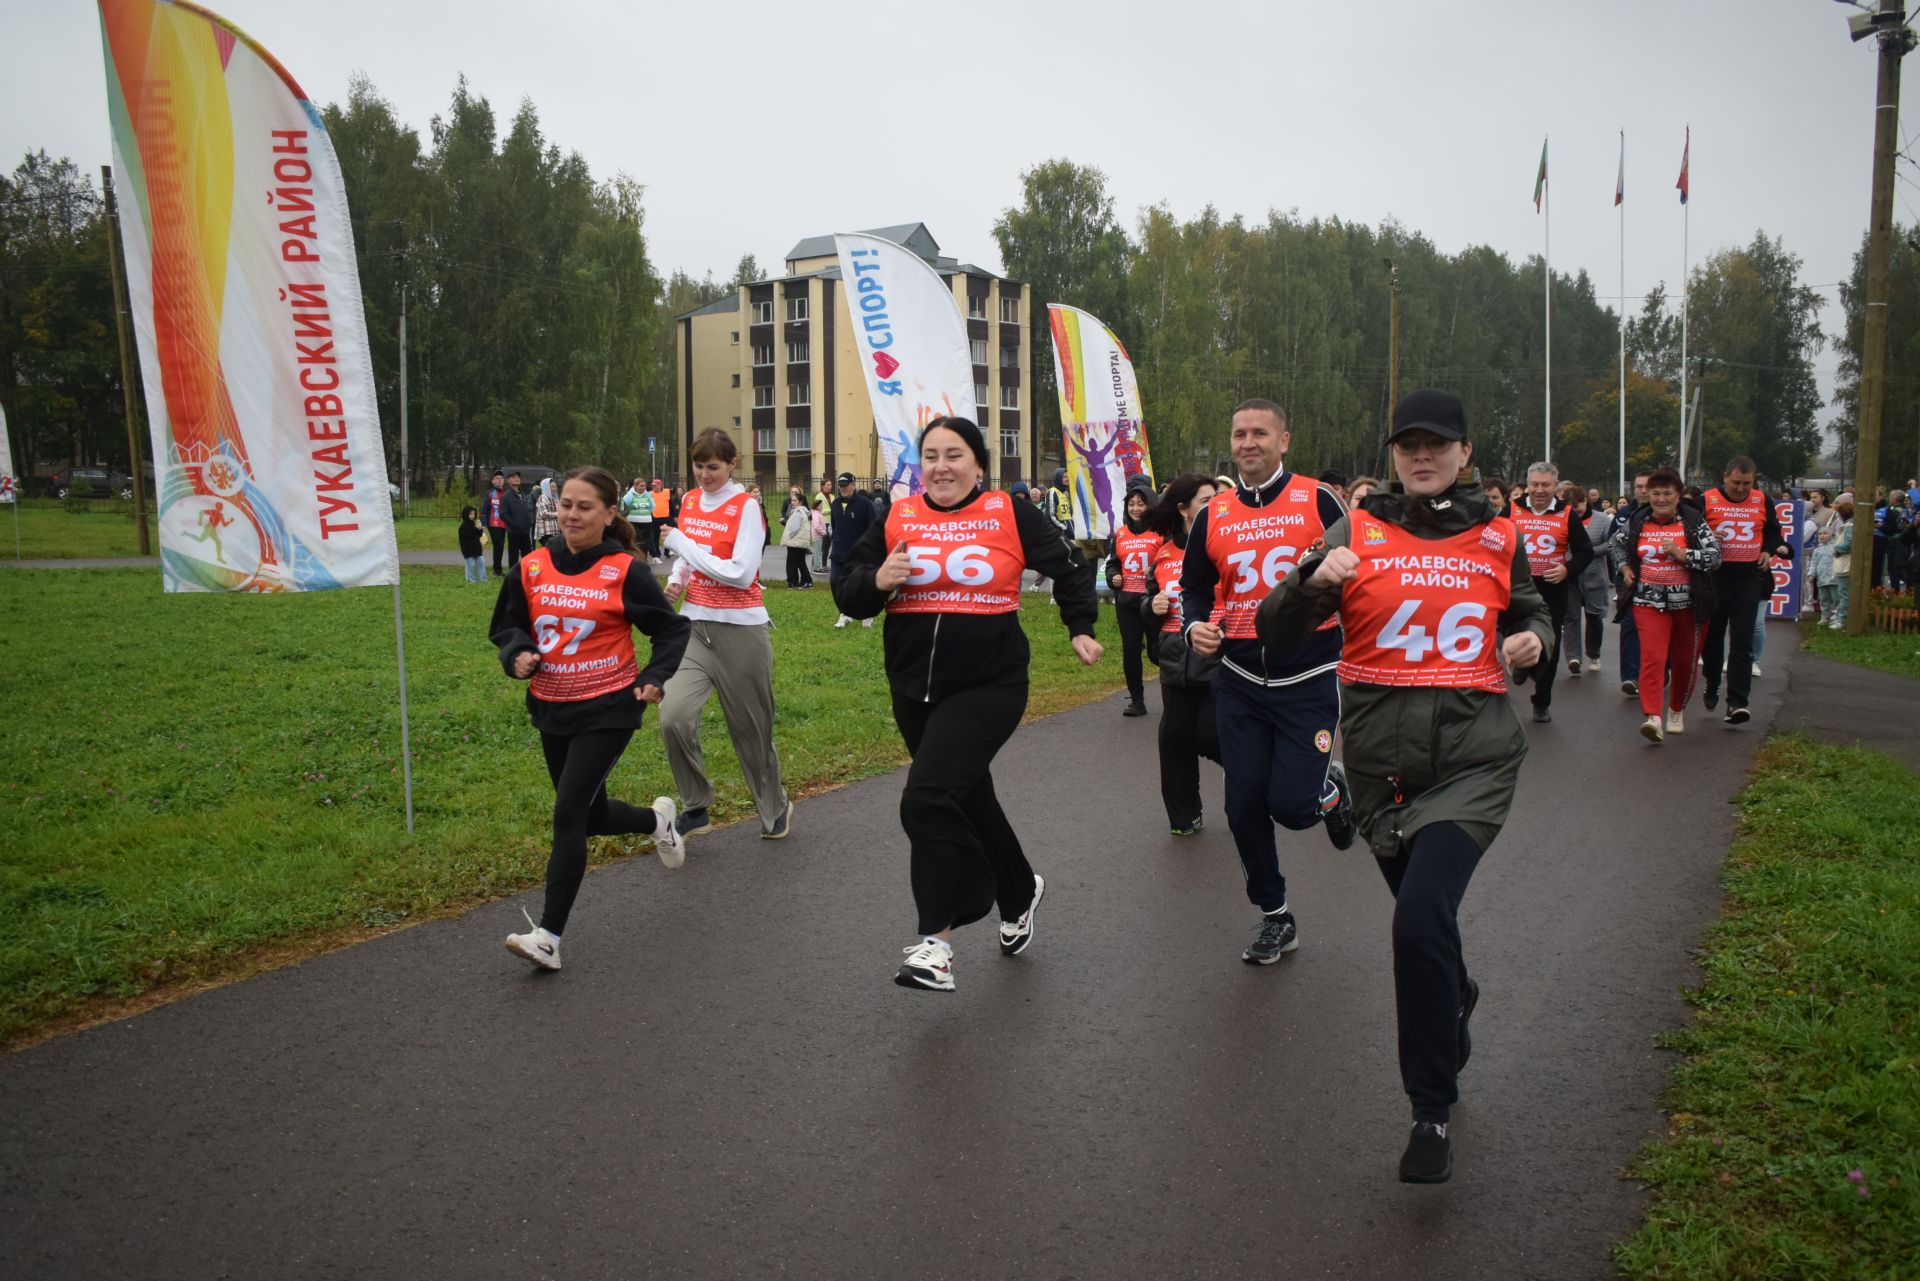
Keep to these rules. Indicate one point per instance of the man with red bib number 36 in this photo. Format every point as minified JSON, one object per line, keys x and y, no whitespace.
{"x":1276,"y":707}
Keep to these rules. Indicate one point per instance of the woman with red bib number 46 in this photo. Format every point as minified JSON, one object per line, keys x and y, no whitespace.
{"x":945,"y":568}
{"x":1426,"y":578}
{"x":564,"y":624}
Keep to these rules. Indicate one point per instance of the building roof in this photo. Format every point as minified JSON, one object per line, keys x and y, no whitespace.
{"x":914,"y":235}
{"x":730,"y":301}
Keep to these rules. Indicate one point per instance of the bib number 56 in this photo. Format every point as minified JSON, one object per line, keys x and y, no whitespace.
{"x":966,"y":565}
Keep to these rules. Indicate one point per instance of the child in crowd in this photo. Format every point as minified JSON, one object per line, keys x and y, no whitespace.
{"x":473,"y":542}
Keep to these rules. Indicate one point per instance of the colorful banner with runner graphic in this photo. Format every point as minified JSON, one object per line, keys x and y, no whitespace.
{"x":246,"y":307}
{"x":1100,"y":419}
{"x":1785,"y":600}
{"x":914,"y":354}
{"x":9,"y":487}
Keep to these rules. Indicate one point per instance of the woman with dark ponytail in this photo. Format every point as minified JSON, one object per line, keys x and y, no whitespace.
{"x":564,"y":623}
{"x":1187,"y":730}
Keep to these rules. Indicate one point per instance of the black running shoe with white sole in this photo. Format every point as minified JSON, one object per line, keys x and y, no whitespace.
{"x":1738,"y":716}
{"x":1277,"y":937}
{"x":1015,"y":935}
{"x":1429,"y":1154}
{"x":693,"y":822}
{"x":1341,"y":827}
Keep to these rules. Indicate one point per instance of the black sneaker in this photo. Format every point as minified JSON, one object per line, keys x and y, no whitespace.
{"x":1188,"y":829}
{"x":1429,"y":1154}
{"x":1341,"y":827}
{"x":1711,"y":697}
{"x":1467,"y":1002}
{"x":1277,"y":937}
{"x":781,"y":826}
{"x":1630,"y":688}
{"x":1738,"y":716}
{"x":1135,"y":708}
{"x":1543,"y":716}
{"x":693,"y":822}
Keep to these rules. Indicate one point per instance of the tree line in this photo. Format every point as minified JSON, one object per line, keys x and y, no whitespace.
{"x":540,"y":328}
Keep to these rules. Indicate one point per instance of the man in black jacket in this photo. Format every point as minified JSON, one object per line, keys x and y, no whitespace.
{"x":517,"y":509}
{"x":852,"y":516}
{"x":1558,"y":550}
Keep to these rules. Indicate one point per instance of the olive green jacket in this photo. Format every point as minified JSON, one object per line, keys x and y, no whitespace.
{"x":1416,"y":756}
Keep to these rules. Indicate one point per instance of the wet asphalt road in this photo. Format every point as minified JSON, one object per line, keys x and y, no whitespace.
{"x":724,"y":1082}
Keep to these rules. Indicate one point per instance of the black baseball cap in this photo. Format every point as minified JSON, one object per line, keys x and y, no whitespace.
{"x":1429,"y":410}
{"x":845,"y":478}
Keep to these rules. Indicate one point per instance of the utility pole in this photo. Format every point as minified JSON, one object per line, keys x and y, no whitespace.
{"x":406,"y":480}
{"x":120,"y":320}
{"x":1888,"y":26}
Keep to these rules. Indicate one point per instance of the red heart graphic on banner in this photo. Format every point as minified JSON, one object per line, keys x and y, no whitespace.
{"x":884,"y":365}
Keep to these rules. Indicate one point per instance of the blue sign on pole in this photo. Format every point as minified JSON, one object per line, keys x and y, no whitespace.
{"x":1784,"y":602}
{"x":652,"y":443}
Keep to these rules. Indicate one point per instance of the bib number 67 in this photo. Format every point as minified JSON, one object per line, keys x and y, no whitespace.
{"x":1460,"y":639}
{"x":553,"y":631}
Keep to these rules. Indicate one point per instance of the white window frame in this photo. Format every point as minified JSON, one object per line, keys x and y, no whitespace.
{"x":736,"y":380}
{"x":1009,"y":311}
{"x":761,"y":350}
{"x":767,"y":391}
{"x":763,"y":438}
{"x":801,"y":346}
{"x":982,"y":397}
{"x":1004,"y":362}
{"x":799,"y":394}
{"x":976,"y":306}
{"x":796,"y":310}
{"x":1009,"y":397}
{"x":736,"y":338}
{"x":763,"y":312}
{"x":978,"y":349}
{"x":800,"y":439}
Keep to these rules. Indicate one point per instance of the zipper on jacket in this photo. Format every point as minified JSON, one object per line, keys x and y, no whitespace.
{"x":933,"y":647}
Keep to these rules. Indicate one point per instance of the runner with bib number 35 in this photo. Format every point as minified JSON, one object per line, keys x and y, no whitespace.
{"x":1425,"y":579}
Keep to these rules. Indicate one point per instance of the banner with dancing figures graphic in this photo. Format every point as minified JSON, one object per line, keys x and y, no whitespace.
{"x":1100,"y":418}
{"x":246,"y":309}
{"x":8,"y":485}
{"x":913,"y":348}
{"x":1784,"y":602}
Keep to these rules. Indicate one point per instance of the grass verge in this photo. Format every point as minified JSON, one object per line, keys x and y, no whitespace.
{"x":1888,"y":653}
{"x":1793,"y":1146}
{"x":48,"y":531}
{"x":200,"y":786}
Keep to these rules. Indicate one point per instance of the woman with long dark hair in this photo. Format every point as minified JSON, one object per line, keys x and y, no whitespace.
{"x":1426,"y":579}
{"x":1187,"y":728}
{"x":945,"y":569}
{"x":564,"y":623}
{"x":1129,"y":557}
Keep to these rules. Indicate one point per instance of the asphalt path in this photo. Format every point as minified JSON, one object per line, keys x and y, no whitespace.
{"x":724,"y":1081}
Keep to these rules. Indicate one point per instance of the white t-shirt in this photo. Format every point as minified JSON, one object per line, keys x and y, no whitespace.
{"x":737,"y":571}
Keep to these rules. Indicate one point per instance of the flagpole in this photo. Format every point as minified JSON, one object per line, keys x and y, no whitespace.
{"x":1621,"y":193}
{"x":1686,"y":264}
{"x":1546,"y":222}
{"x":406,"y":749}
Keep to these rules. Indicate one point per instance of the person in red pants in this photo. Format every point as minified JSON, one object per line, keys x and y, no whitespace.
{"x":1667,"y":555}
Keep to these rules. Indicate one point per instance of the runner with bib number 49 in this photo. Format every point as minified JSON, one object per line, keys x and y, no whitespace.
{"x":1425,"y":580}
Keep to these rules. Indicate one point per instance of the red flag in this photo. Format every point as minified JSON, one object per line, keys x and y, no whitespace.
{"x":1684,"y":153}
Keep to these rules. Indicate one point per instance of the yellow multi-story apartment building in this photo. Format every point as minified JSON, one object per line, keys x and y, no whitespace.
{"x":775,"y":363}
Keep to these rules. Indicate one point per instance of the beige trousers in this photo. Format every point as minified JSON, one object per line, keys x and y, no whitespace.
{"x":735,"y":662}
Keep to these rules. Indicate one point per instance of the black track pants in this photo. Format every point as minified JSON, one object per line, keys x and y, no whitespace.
{"x":1275,"y":745}
{"x":1556,"y":598}
{"x":1729,"y":639}
{"x":579,"y":765}
{"x":1187,"y":732}
{"x":798,"y":575}
{"x":1428,"y":880}
{"x":965,"y":856}
{"x":1133,"y":642}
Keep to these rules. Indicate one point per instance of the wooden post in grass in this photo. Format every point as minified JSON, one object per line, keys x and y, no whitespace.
{"x":120,"y":317}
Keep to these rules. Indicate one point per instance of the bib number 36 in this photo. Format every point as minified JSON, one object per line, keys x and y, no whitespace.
{"x":1461,"y":638}
{"x":1277,"y":565}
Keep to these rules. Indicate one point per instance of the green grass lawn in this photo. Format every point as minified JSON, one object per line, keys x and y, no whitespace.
{"x":1897,"y":654}
{"x":1793,"y":1148}
{"x":195,"y":778}
{"x":50,"y":532}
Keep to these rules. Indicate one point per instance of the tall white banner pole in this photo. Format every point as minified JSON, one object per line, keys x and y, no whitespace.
{"x":1546,"y":196}
{"x":1686,"y":266}
{"x":1622,"y":191}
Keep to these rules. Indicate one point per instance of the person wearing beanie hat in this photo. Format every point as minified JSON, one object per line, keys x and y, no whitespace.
{"x":945,"y":570}
{"x":1424,"y":649}
{"x":1129,"y":557}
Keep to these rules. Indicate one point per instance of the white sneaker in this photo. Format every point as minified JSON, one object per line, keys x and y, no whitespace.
{"x":1756,"y":669}
{"x":668,"y":845}
{"x":844,"y":620}
{"x":536,"y":945}
{"x":869,"y":623}
{"x":1650,"y":729}
{"x":1593,"y":664}
{"x":1015,"y":935}
{"x":929,"y":965}
{"x":1676,"y":722}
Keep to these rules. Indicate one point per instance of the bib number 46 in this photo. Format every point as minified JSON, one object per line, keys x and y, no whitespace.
{"x":1460,"y":640}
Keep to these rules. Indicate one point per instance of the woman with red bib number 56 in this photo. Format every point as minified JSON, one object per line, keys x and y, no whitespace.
{"x":945,"y":568}
{"x":1426,"y":578}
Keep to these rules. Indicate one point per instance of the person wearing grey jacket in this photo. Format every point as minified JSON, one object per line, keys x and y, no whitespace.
{"x":1588,"y":600}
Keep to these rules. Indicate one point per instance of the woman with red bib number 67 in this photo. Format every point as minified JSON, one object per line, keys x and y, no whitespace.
{"x":564,"y":624}
{"x":1425,"y":578}
{"x":945,"y":568}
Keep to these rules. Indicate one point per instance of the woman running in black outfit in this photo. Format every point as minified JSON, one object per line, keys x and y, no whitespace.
{"x":1187,"y":729}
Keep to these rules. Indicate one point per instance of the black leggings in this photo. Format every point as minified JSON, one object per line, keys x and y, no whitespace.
{"x":1133,"y":640}
{"x":1428,"y":880}
{"x":965,"y":855}
{"x":579,"y":765}
{"x":499,"y":539}
{"x":798,"y":574}
{"x":1187,"y":732}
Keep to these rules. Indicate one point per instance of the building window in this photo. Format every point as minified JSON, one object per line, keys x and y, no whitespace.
{"x":736,"y":337}
{"x":800,"y":440}
{"x":796,"y":309}
{"x":799,"y":393}
{"x":979,"y":346}
{"x":796,"y":353}
{"x":976,"y":306}
{"x":1009,"y":397}
{"x":763,"y":353}
{"x":1009,"y":358}
{"x":1009,"y":442}
{"x":763,"y":398}
{"x":736,"y":380}
{"x":736,"y":422}
{"x":762,"y":440}
{"x":1009,"y":311}
{"x":980,"y":397}
{"x":763,"y":313}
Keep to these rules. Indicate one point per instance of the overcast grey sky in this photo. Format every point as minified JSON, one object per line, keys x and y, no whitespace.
{"x":755,"y":124}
